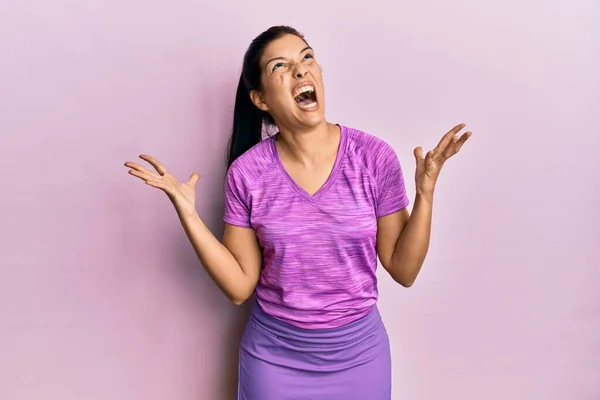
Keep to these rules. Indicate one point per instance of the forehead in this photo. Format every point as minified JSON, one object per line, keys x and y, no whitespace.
{"x":286,"y":46}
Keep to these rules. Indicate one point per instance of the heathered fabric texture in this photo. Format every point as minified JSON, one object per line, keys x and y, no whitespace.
{"x":319,"y":254}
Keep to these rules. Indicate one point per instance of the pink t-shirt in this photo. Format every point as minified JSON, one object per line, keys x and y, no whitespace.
{"x":319,"y":254}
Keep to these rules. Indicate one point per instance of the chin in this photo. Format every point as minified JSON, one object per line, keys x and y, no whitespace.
{"x":313,"y":120}
{"x":302,"y":118}
{"x":312,"y":117}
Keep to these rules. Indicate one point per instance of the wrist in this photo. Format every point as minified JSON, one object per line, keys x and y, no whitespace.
{"x":186,"y":215}
{"x":424,"y":195}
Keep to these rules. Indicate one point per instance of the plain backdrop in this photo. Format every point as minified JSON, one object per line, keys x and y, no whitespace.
{"x":101,"y":295}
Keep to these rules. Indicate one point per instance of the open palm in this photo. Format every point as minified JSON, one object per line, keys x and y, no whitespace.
{"x":183,"y":195}
{"x":430,"y":166}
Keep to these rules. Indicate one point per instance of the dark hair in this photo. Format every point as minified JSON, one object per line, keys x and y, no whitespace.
{"x":247,"y":118}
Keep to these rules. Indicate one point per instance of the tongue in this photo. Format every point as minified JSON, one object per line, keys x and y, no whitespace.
{"x":305,"y":102}
{"x":304,"y":99}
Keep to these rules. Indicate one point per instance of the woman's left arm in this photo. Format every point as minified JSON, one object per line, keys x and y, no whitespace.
{"x":403,"y":239}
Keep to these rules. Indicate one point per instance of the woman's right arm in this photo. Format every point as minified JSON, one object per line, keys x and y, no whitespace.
{"x":235,"y":264}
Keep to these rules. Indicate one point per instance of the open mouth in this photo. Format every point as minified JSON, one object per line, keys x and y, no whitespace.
{"x":306,"y":97}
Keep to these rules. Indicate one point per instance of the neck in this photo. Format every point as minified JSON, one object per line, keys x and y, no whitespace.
{"x":309,"y":147}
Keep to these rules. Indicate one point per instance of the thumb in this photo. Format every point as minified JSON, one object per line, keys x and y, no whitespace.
{"x":194,"y":179}
{"x":418,"y":152}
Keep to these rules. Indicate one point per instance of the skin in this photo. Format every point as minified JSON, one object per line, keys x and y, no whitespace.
{"x":307,"y":145}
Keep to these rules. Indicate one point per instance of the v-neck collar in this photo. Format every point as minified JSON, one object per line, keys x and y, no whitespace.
{"x":330,"y":179}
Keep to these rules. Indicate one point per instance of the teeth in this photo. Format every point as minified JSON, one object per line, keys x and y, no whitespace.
{"x":303,"y":89}
{"x":308,"y":106}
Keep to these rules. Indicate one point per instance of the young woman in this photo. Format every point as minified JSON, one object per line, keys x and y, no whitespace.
{"x":307,"y":213}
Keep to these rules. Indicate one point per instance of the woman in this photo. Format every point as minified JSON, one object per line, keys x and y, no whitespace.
{"x":307,"y":213}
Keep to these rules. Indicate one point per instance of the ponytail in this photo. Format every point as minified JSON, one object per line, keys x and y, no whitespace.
{"x":247,"y":123}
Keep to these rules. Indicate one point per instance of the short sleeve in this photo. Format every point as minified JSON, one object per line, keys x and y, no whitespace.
{"x":391,"y":192}
{"x":237,"y":205}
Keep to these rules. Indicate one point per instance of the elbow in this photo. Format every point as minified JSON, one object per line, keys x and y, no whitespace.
{"x":241,"y":292}
{"x":405,"y":274}
{"x":404,"y":278}
{"x":406,"y":282}
{"x":238,"y":300}
{"x":401,"y":277}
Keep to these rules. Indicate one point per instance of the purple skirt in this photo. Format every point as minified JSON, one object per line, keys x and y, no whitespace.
{"x":279,"y":361}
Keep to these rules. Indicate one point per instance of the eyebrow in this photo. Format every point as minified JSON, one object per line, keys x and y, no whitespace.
{"x":283,"y":58}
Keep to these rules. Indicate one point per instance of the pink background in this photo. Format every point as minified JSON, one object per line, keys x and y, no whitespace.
{"x":101,"y":296}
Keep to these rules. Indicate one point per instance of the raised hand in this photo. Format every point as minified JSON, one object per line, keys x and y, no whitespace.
{"x":183,"y":195}
{"x":429,"y":167}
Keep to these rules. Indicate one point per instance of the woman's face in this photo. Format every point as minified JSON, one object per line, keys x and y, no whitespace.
{"x":292,"y":84}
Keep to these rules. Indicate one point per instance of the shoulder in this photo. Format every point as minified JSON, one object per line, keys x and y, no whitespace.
{"x":248,"y":168}
{"x":372,"y":152}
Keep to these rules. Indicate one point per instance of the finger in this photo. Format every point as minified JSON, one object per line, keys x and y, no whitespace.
{"x":155,"y":163}
{"x":463,"y":139}
{"x":430,"y":155}
{"x":459,"y":142}
{"x":142,"y":175}
{"x":447,"y":138}
{"x":194,"y":178}
{"x":139,"y":168}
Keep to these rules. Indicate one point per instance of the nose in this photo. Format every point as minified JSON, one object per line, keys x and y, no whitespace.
{"x":300,"y":71}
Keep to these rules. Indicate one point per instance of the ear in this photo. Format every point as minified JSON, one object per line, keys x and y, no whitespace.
{"x":258,"y":100}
